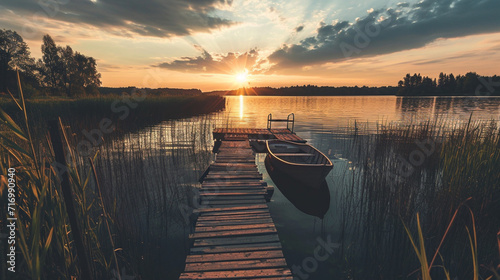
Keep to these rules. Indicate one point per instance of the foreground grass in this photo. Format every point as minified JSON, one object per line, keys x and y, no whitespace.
{"x":45,"y":242}
{"x":44,"y":239}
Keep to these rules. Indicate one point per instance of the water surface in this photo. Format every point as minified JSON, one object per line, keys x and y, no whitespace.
{"x":325,"y":122}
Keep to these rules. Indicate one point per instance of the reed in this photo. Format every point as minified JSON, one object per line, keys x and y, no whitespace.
{"x":145,"y":174}
{"x":389,"y":186}
{"x":43,"y":233}
{"x":127,"y":114}
{"x":151,"y":178}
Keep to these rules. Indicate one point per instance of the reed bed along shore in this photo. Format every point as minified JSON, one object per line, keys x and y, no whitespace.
{"x":124,"y":226}
{"x":151,"y":177}
{"x":128,"y":113}
{"x":429,"y":170}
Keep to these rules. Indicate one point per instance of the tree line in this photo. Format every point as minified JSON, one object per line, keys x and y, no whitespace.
{"x":61,"y":71}
{"x":310,"y":90}
{"x":469,"y":84}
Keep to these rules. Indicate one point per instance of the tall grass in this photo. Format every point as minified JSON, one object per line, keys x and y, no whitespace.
{"x":43,"y":234}
{"x":150,"y":176}
{"x":143,"y":172}
{"x":128,"y":115}
{"x":389,"y":187}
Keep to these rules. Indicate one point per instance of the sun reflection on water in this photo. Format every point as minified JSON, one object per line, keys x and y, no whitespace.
{"x":241,"y":107}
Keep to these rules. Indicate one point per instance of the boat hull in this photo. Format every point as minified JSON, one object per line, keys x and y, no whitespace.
{"x":311,"y":201}
{"x":311,"y":175}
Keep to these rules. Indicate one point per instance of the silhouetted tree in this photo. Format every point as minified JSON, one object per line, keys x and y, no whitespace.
{"x":67,"y":71}
{"x":53,"y":68}
{"x":448,"y":84}
{"x":15,"y":55}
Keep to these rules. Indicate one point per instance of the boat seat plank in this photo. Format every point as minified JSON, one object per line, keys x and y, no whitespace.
{"x":293,"y":155}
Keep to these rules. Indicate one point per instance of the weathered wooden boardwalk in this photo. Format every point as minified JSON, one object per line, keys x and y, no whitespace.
{"x":257,"y":134}
{"x":235,"y":236}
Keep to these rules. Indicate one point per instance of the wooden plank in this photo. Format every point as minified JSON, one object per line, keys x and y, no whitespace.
{"x":235,"y":183}
{"x":226,"y":193}
{"x":241,"y":217}
{"x":251,"y":196}
{"x":236,"y":160}
{"x":276,"y":278}
{"x":237,"y":248}
{"x":202,"y":224}
{"x":236,"y":189}
{"x":252,"y":172}
{"x":231,"y":166}
{"x":243,"y":232}
{"x":294,"y":155}
{"x":234,"y":227}
{"x":236,"y":209}
{"x":271,"y":254}
{"x":243,"y":183}
{"x":229,"y":177}
{"x":237,"y":274}
{"x":234,"y":213}
{"x":227,"y":188}
{"x":236,"y":240}
{"x":236,"y":150}
{"x":235,"y":265}
{"x":236,"y":202}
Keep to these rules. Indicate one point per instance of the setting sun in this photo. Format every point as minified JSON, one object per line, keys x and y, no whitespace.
{"x":242,"y":77}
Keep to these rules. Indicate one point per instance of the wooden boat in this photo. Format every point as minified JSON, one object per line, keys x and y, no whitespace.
{"x":311,"y":201}
{"x":300,"y":161}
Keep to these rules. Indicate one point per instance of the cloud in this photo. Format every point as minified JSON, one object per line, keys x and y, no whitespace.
{"x":156,"y":18}
{"x":230,"y":63}
{"x":390,"y":30}
{"x":299,"y":28}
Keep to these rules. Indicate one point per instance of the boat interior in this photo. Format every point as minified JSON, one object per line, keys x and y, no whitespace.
{"x":296,"y":153}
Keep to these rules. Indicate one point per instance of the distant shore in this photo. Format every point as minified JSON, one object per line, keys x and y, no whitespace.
{"x":339,"y":91}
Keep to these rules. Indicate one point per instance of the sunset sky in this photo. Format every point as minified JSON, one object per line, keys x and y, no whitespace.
{"x":225,"y":44}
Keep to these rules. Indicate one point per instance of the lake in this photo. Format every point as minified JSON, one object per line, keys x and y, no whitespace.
{"x":176,"y":152}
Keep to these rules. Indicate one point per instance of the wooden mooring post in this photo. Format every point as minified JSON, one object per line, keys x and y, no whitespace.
{"x":57,"y":145}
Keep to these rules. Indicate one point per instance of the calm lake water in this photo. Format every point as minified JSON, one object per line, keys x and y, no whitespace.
{"x":324,"y":122}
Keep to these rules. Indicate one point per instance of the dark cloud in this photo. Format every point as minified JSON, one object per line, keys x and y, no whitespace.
{"x":157,"y":18}
{"x":230,"y":63}
{"x":299,"y":28}
{"x":391,"y":30}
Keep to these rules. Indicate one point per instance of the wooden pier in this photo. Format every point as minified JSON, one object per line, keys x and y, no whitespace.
{"x":257,"y":134}
{"x":235,"y":236}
